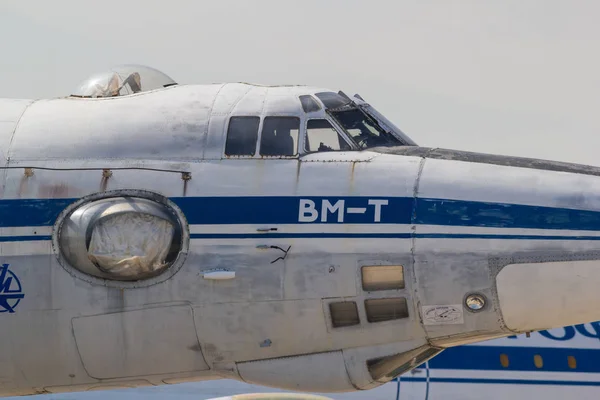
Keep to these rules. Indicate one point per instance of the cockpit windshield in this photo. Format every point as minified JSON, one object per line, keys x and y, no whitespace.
{"x":365,"y":131}
{"x":359,"y":123}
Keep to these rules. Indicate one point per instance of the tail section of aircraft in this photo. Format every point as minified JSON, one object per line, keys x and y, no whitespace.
{"x":550,"y":364}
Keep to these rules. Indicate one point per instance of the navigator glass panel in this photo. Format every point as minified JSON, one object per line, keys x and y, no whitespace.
{"x":122,"y":81}
{"x":320,"y":136}
{"x":309,"y":104}
{"x":332,"y":100}
{"x":279,"y":136}
{"x":364,"y":131}
{"x":242,"y":135}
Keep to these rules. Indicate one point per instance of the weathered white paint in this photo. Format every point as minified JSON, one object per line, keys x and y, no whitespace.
{"x":267,"y":324}
{"x":563,"y":293}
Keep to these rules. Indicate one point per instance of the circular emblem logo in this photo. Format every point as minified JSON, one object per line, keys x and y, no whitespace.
{"x":11,"y":291}
{"x":449,"y":314}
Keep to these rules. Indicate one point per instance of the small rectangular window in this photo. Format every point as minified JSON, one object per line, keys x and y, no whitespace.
{"x":279,"y":136}
{"x":333,"y":100}
{"x":343,"y":313}
{"x":309,"y":104}
{"x":382,"y":277}
{"x":321,"y":136}
{"x":242,"y":135}
{"x":379,"y":310}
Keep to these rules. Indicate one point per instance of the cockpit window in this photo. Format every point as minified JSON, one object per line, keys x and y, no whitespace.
{"x":320,"y":136}
{"x":309,"y":104}
{"x":279,"y":136}
{"x":332,"y":100}
{"x":364,"y":131}
{"x":241,"y":136}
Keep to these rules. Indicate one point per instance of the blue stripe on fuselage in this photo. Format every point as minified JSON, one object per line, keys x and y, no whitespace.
{"x":502,"y":215}
{"x":285,"y":210}
{"x":487,"y":358}
{"x":464,"y":359}
{"x":29,"y":238}
{"x":359,"y":235}
{"x":31,"y":212}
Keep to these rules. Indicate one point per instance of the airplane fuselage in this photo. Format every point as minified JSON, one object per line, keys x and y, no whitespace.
{"x":304,"y":269}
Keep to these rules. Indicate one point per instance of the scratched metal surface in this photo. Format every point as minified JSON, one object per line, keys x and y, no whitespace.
{"x":171,"y":143}
{"x":170,"y":124}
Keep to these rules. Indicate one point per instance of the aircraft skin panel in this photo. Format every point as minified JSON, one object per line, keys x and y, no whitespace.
{"x":130,"y":300}
{"x":185,"y":288}
{"x":333,"y":377}
{"x":511,"y":185}
{"x":170,"y":124}
{"x":165,"y":125}
{"x":575,"y":276}
{"x":248,"y":104}
{"x":55,"y":287}
{"x":121,"y":337}
{"x":292,"y":235}
{"x":10,"y":114}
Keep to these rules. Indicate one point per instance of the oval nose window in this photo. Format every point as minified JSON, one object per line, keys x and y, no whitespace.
{"x":121,"y":238}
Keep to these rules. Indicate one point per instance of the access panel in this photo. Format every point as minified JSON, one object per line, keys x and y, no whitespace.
{"x":138,"y":343}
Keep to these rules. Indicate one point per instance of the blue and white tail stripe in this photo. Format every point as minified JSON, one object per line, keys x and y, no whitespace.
{"x":482,"y":364}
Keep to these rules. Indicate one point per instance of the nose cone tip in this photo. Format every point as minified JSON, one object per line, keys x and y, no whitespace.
{"x":544,"y":295}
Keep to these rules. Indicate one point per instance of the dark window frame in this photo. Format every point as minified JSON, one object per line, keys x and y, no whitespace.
{"x":262,"y":130}
{"x":332,"y":100}
{"x":340,"y":133}
{"x":258,"y":131}
{"x":312,"y":100}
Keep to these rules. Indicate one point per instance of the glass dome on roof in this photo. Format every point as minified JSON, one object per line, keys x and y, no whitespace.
{"x":123,"y":80}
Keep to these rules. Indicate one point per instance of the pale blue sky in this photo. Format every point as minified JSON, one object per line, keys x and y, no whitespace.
{"x":510,"y":77}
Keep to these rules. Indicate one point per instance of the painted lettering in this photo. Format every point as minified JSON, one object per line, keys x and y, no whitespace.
{"x":378,"y":204}
{"x":308,"y":211}
{"x":338,"y":207}
{"x":593,"y":332}
{"x":569,"y":334}
{"x":349,"y":210}
{"x":584,"y":331}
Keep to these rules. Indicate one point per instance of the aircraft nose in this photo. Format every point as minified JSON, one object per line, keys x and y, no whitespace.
{"x":545,"y":294}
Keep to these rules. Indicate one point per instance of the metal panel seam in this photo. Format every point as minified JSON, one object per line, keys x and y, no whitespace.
{"x":416,"y":299}
{"x":12,"y":137}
